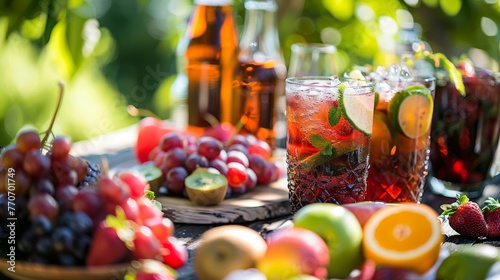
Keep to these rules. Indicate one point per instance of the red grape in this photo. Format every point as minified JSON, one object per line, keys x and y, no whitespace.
{"x":89,"y":202}
{"x":238,"y":147}
{"x":236,"y":174}
{"x":257,"y":163}
{"x":23,"y":183}
{"x":237,"y":156}
{"x":79,"y":165}
{"x":60,"y":147}
{"x":240,"y":139}
{"x":209,"y":147}
{"x":251,"y":180}
{"x":65,"y":195}
{"x":12,"y":157}
{"x":172,"y":140}
{"x":268,"y":175}
{"x":28,"y":140}
{"x":35,"y":164}
{"x":175,"y":179}
{"x":194,"y":161}
{"x":114,"y":191}
{"x":173,"y":158}
{"x":42,"y":185}
{"x":43,"y":204}
{"x":260,"y":147}
{"x":222,"y":155}
{"x":220,"y":165}
{"x":154,"y":152}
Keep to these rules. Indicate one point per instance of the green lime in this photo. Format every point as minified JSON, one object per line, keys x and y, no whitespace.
{"x":411,"y":111}
{"x":205,"y":188}
{"x":357,"y":109}
{"x":468,"y":263}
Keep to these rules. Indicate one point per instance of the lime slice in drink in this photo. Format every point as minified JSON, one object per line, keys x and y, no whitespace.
{"x":357,"y":109}
{"x":411,"y":111}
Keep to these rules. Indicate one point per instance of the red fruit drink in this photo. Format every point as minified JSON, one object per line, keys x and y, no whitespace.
{"x":329,"y":130}
{"x":465,"y":135}
{"x":399,"y":153}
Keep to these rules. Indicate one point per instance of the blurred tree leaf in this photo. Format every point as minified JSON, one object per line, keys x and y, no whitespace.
{"x":341,"y":9}
{"x":74,"y":38}
{"x":451,"y":7}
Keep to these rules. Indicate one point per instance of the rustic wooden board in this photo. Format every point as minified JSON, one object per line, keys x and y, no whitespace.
{"x":262,"y":203}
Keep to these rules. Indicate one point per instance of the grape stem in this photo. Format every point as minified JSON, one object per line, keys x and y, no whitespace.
{"x":49,"y":132}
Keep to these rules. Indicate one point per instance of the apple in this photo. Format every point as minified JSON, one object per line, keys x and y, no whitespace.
{"x":292,"y":252}
{"x":148,"y":137}
{"x":341,"y":231}
{"x":364,"y":210}
{"x":227,"y":248}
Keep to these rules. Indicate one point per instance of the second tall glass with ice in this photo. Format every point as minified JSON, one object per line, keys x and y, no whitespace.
{"x":399,"y":153}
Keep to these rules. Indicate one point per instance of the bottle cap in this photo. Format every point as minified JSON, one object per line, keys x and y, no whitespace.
{"x":214,"y":2}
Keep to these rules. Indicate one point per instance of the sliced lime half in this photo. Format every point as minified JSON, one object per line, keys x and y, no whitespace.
{"x":411,"y":111}
{"x":358,"y":109}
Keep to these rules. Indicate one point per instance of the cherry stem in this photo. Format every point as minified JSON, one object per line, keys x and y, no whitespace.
{"x":48,"y":132}
{"x":137,"y":112}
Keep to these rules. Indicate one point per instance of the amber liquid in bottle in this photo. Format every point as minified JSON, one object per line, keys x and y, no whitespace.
{"x":210,"y":63}
{"x":261,"y":71}
{"x":254,"y":104}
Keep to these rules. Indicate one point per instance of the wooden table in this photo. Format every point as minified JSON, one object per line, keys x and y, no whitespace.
{"x":117,"y":147}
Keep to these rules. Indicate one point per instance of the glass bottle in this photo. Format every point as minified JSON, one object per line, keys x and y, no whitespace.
{"x":260,"y":73}
{"x":210,"y":55}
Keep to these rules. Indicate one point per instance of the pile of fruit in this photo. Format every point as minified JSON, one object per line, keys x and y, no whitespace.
{"x":241,"y":161}
{"x":70,"y":213}
{"x":359,"y":241}
{"x":63,"y":210}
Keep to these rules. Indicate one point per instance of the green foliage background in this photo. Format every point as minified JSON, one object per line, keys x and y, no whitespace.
{"x":112,"y":53}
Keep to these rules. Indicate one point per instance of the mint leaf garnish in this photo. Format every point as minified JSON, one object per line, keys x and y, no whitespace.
{"x":455,"y":75}
{"x":318,"y":141}
{"x":333,"y":116}
{"x":328,"y":151}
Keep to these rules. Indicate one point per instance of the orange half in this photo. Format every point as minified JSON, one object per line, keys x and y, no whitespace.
{"x":406,"y":236}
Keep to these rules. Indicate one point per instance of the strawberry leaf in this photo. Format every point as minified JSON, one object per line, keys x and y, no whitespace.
{"x":462,"y":199}
{"x":333,"y":116}
{"x":158,"y":205}
{"x":149,"y":194}
{"x":490,"y":204}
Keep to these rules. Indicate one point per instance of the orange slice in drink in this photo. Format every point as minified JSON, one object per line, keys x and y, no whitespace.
{"x":411,"y":111}
{"x":405,"y":236}
{"x":381,"y":136}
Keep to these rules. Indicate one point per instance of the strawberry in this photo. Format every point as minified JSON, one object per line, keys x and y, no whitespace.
{"x":465,"y":217}
{"x":106,"y":247}
{"x":491,"y":212}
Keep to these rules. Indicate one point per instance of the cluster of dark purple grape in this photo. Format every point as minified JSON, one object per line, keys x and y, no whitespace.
{"x":244,"y":160}
{"x":37,"y":187}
